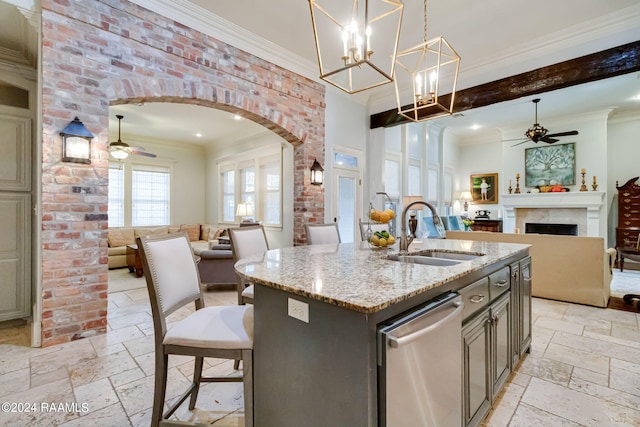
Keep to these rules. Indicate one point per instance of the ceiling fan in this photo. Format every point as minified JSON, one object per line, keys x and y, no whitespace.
{"x":121,"y":150}
{"x":537,"y":133}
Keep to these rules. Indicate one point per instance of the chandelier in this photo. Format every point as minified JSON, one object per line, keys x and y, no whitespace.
{"x":356,"y":41}
{"x":431,"y":70}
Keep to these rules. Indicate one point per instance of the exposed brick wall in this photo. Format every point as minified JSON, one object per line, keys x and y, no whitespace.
{"x":100,"y":53}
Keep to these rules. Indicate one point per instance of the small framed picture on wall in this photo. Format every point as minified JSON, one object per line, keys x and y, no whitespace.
{"x":484,"y":188}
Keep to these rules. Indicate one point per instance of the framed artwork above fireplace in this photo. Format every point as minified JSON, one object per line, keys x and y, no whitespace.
{"x":553,"y":164}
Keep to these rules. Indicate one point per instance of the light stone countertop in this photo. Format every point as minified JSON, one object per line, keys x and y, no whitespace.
{"x":354,"y":276}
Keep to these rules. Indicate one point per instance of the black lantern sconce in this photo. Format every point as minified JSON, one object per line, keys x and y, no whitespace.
{"x":76,"y":143}
{"x":317,"y":173}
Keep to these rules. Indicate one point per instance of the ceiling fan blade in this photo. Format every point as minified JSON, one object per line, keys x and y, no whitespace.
{"x":521,"y":142}
{"x":549,"y":140}
{"x":514,"y":139}
{"x":142,"y":153}
{"x":571,"y":132}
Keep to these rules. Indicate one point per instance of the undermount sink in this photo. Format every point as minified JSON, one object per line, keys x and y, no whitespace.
{"x":435,"y":258}
{"x":424,"y":260}
{"x":461,"y":256}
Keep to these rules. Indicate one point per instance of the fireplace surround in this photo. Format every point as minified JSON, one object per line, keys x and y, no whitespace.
{"x":584,"y":208}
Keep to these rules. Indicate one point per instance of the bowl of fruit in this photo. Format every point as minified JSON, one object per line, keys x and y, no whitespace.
{"x":380,"y":238}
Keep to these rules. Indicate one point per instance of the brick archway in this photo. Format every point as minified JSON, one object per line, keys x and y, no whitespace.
{"x":98,"y":53}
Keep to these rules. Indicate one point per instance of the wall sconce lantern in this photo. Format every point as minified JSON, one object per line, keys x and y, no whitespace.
{"x":317,"y":173}
{"x":76,"y":143}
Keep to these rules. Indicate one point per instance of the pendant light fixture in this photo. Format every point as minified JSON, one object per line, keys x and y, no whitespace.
{"x":356,"y":41}
{"x":430,"y":69}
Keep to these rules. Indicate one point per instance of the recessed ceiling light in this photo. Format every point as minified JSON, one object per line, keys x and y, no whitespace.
{"x":475,"y":126}
{"x":636,"y":98}
{"x":198,"y":135}
{"x":237,"y":117}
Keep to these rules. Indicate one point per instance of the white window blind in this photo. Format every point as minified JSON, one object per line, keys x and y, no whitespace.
{"x":271,"y":192}
{"x":228,"y":195}
{"x":116,"y":197}
{"x":392,"y":177}
{"x":150,"y":192}
{"x":248,"y":186}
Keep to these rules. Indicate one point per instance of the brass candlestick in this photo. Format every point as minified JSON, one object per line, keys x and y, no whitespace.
{"x":583,"y":187}
{"x":517,"y":184}
{"x":510,"y":189}
{"x":595,"y":184}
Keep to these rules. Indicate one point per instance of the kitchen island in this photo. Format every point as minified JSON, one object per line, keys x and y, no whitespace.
{"x":317,"y":313}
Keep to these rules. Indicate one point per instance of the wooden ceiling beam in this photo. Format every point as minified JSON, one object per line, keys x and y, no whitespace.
{"x":589,"y":68}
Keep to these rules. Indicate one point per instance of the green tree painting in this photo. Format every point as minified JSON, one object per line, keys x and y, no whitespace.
{"x":550,"y":165}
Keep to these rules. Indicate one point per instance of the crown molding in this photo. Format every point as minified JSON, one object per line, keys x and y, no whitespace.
{"x":613,"y":29}
{"x":202,"y":20}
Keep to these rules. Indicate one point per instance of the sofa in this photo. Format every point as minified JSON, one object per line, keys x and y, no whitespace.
{"x":564,"y":268}
{"x":216,"y":261}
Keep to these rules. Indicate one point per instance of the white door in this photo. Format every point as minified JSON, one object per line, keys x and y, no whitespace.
{"x":348,"y":196}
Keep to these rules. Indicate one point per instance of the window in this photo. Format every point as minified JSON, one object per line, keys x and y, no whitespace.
{"x":248,"y":185}
{"x":228,"y":196}
{"x":150,"y":190}
{"x":139,"y":195}
{"x":270,"y":177}
{"x":258,"y":183}
{"x":116,"y":197}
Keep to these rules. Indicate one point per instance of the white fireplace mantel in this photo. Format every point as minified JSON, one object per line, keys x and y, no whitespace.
{"x":592,"y":201}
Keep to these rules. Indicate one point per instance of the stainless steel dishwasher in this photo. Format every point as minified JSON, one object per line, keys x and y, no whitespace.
{"x":420,"y":366}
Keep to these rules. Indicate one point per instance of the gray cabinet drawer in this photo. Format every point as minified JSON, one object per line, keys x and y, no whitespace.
{"x":475,"y":296}
{"x":499,"y":282}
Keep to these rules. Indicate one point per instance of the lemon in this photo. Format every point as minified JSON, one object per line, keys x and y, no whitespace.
{"x":375,"y":240}
{"x":383,"y":217}
{"x":382,"y":242}
{"x":391,"y":240}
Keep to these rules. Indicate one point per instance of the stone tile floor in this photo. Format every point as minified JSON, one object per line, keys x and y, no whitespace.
{"x":583,"y":370}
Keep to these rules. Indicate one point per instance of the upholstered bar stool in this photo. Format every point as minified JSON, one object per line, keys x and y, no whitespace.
{"x":224,"y":332}
{"x":319,"y":234}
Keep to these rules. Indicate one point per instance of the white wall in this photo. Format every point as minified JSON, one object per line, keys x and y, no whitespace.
{"x":623,"y":150}
{"x":346,"y":126}
{"x":188,"y":178}
{"x":484,"y":155}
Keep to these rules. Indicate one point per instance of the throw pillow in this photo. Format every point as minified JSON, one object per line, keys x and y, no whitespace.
{"x":219,"y":232}
{"x":151,"y":231}
{"x":192,"y":230}
{"x":206,"y":232}
{"x":116,"y":238}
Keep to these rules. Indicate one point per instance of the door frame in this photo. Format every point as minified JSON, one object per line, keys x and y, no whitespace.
{"x":354,"y":172}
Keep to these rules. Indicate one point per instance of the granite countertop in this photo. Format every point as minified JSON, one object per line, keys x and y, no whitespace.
{"x":354,"y":276}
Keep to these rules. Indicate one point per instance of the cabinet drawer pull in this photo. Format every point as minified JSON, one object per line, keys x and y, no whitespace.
{"x":502,"y":283}
{"x":476,"y":298}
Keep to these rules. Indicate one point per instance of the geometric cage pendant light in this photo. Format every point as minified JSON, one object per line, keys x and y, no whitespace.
{"x":356,"y":41}
{"x":431,"y":70}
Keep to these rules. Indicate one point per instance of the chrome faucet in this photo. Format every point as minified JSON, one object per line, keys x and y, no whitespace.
{"x":405,"y":240}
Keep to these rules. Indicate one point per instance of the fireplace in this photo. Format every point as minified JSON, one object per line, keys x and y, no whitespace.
{"x":550,"y":228}
{"x":583,"y":208}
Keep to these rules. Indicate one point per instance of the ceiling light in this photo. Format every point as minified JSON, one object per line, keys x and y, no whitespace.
{"x":198,"y":135}
{"x":431,"y":70}
{"x":237,"y":117}
{"x":475,"y":126}
{"x":356,"y":41}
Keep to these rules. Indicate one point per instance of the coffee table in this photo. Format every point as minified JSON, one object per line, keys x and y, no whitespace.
{"x":134,"y":262}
